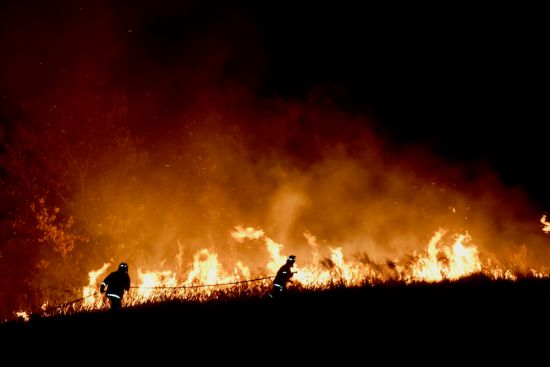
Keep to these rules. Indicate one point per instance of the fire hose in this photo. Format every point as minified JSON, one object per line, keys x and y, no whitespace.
{"x":52,"y":308}
{"x":205,"y":285}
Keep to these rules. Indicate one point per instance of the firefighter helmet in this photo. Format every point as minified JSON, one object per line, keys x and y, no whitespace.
{"x":123,"y":267}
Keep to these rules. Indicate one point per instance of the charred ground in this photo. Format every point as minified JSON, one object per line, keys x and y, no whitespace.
{"x":471,"y":318}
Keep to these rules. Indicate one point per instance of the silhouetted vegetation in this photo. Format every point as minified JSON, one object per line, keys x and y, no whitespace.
{"x":462,"y":317}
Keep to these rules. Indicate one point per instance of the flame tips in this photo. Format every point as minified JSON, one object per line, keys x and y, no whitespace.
{"x":240,"y":234}
{"x":446,"y":257}
{"x":546,"y":228}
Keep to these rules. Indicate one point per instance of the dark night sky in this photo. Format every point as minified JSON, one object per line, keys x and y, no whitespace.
{"x":469,"y":82}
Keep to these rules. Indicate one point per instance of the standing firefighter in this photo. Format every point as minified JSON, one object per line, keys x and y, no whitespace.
{"x":115,"y":285}
{"x":283,"y":277}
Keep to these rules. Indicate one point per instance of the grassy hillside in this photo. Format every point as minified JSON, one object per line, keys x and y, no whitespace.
{"x":468,"y":319}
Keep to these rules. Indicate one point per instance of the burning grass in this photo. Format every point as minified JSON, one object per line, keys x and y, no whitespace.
{"x":447,"y":258}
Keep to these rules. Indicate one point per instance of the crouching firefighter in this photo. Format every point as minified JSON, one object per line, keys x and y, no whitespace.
{"x":115,"y":285}
{"x":282,"y":278}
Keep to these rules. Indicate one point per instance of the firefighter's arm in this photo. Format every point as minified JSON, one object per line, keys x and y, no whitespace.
{"x":105,"y":283}
{"x":290,"y":280}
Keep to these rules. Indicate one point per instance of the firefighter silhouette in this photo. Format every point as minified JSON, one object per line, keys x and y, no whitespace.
{"x":115,"y":285}
{"x":282,"y":278}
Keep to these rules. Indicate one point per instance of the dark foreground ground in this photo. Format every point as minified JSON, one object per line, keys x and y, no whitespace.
{"x":474,"y":320}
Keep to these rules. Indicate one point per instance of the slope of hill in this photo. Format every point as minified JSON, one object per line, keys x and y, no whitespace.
{"x":465,"y":320}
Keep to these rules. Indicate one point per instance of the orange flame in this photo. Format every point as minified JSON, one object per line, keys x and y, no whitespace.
{"x":22,"y":315}
{"x":440,"y":261}
{"x":91,"y":299}
{"x":274,"y":250}
{"x":206,"y":268}
{"x":546,"y":228}
{"x":444,"y":259}
{"x":249,"y":233}
{"x":445,"y":262}
{"x":149,"y":280}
